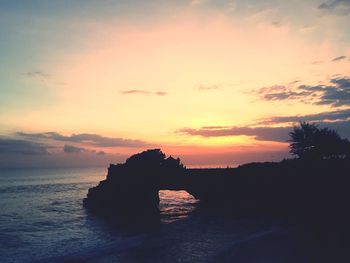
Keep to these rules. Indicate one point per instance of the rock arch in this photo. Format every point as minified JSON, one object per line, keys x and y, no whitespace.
{"x":133,"y":186}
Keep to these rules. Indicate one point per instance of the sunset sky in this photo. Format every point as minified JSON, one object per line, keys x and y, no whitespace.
{"x":217,"y":83}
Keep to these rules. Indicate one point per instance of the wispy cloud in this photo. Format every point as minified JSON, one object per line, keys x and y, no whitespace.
{"x":143,"y":92}
{"x":87,"y":138}
{"x":336,"y":93}
{"x":317,"y":62}
{"x":135,"y":91}
{"x":161,"y":93}
{"x":37,"y":74}
{"x":210,"y":87}
{"x":339,"y":58}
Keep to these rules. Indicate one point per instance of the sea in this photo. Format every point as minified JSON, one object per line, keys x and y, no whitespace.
{"x":42,"y":219}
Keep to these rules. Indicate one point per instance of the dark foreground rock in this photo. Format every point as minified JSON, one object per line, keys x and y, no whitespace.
{"x":290,"y":187}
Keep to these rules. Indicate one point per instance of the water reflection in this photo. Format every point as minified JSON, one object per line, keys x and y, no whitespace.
{"x":175,"y":205}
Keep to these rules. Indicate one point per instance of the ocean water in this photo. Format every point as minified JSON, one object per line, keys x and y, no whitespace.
{"x":42,"y":217}
{"x":42,"y":220}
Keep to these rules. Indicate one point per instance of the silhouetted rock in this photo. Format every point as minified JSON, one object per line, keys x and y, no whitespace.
{"x":290,"y":187}
{"x":132,"y":188}
{"x":312,"y":191}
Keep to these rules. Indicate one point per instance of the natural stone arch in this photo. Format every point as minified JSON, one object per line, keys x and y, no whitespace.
{"x":143,"y":175}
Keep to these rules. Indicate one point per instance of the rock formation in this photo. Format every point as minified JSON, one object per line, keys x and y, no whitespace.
{"x":132,"y":187}
{"x":293,"y":187}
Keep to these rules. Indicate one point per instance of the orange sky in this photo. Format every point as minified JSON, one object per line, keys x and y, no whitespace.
{"x":148,"y":78}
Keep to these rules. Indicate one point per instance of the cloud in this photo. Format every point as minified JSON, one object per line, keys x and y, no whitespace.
{"x":143,"y":92}
{"x":281,"y":92}
{"x":37,"y":74}
{"x":276,"y":23}
{"x":336,"y":93}
{"x":343,"y":83}
{"x":16,"y":153}
{"x":340,"y":115}
{"x":73,"y":149}
{"x":134,"y":91}
{"x":265,"y":133}
{"x":161,"y":93}
{"x":338,"y":120}
{"x":87,"y":138}
{"x":337,"y":7}
{"x":338,"y":58}
{"x":23,"y":147}
{"x":67,"y":148}
{"x":279,"y":134}
{"x":317,"y":62}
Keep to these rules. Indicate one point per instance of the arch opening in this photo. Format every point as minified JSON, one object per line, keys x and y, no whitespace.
{"x":175,"y":205}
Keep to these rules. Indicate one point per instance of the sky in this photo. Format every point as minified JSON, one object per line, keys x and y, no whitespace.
{"x":218,"y":83}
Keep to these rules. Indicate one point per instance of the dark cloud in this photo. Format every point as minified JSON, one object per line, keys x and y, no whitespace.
{"x":73,"y":149}
{"x":91,"y":139}
{"x":338,"y":58}
{"x":265,"y":133}
{"x":340,"y":115}
{"x":286,"y":95}
{"x":143,"y":92}
{"x":312,"y":88}
{"x":336,"y":93}
{"x":14,"y":146}
{"x":281,"y":92}
{"x":24,"y":154}
{"x":337,"y":7}
{"x":279,"y":134}
{"x":343,"y":83}
{"x":67,"y":148}
{"x":338,"y":120}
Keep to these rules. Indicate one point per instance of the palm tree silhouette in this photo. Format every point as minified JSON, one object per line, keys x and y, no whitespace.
{"x":309,"y":141}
